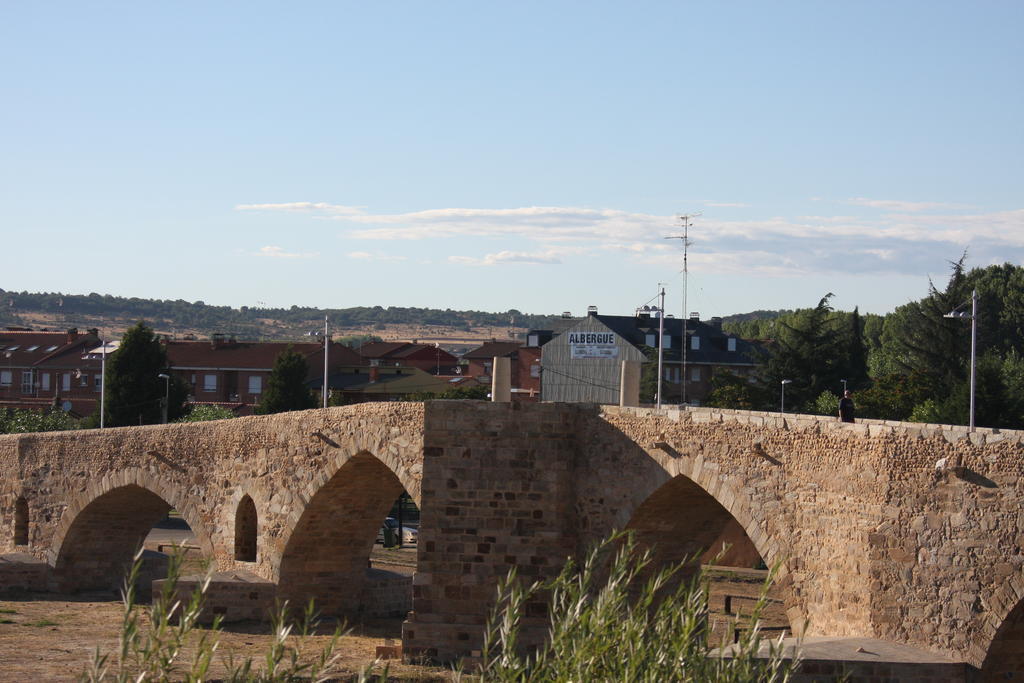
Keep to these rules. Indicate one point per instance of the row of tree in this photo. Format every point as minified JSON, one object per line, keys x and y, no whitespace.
{"x":248,"y":321}
{"x":912,"y":364}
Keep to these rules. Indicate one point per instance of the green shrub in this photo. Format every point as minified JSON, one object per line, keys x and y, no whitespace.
{"x":21,"y":421}
{"x":154,"y":651}
{"x":623,"y":621}
{"x":206,"y":413}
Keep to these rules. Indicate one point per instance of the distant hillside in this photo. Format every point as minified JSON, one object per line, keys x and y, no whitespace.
{"x":755,"y":315}
{"x":182,"y":317}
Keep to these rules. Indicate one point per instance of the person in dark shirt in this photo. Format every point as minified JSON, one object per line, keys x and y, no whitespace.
{"x":846,"y":407}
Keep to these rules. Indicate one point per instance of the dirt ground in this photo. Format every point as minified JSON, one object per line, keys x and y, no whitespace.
{"x":47,"y":639}
{"x":53,"y":638}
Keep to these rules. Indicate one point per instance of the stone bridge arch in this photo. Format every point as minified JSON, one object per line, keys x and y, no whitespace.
{"x":998,"y":648}
{"x":680,"y":500}
{"x":327,"y":543}
{"x":105,"y":524}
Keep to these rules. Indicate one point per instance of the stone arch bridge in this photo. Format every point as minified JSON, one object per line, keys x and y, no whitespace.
{"x":901,"y":532}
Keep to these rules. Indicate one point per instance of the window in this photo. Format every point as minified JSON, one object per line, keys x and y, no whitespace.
{"x":651,"y":340}
{"x":695,"y":343}
{"x":732,"y":343}
{"x":32,"y":348}
{"x":534,"y":370}
{"x":65,"y":381}
{"x":97,"y":382}
{"x":694,"y":374}
{"x":209,"y":382}
{"x":668,"y":341}
{"x":5,"y":378}
{"x":50,"y":348}
{"x":27,"y":385}
{"x":83,"y":380}
{"x":255,"y":384}
{"x":44,"y":381}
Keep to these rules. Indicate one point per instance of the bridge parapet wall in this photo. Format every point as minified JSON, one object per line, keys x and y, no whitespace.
{"x":902,"y":531}
{"x":203,"y":470}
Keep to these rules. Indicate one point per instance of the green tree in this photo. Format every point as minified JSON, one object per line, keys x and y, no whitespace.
{"x":808,"y":351}
{"x":920,"y":339}
{"x":729,"y":390}
{"x":134,"y":390}
{"x":286,"y":387}
{"x":855,"y":364}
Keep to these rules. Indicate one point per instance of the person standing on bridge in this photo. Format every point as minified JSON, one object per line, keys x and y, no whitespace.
{"x":846,"y":407}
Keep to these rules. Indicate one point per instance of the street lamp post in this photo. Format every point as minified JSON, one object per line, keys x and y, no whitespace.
{"x":167,"y":394}
{"x":103,"y":385}
{"x":782,"y":400}
{"x":844,"y":386}
{"x":957,"y":313}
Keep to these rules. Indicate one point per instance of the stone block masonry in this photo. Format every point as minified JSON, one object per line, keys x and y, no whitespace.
{"x":498,"y":493}
{"x":907,"y":533}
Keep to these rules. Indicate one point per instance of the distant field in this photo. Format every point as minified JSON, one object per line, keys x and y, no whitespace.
{"x":271,"y":329}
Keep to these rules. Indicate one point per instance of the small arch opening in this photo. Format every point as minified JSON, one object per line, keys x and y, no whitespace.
{"x":21,"y":521}
{"x":245,"y":530}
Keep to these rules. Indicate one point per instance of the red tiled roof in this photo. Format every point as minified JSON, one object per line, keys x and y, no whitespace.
{"x":22,"y":348}
{"x":380,"y":349}
{"x":493,"y":349}
{"x":250,"y":355}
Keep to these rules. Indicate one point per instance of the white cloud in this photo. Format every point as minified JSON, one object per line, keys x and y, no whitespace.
{"x":896,"y":242}
{"x":304,"y":207}
{"x":725,"y":205}
{"x":367,"y":256}
{"x":900,"y":205}
{"x":278,"y":252}
{"x":507,"y":257}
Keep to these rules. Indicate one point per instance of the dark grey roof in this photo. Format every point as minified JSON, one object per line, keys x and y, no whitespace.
{"x":713,"y":341}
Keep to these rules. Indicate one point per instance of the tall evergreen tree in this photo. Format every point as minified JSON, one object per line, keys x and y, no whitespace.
{"x":809,"y":352}
{"x":286,"y":387}
{"x":856,"y":361}
{"x":134,"y":390}
{"x":924,"y":341}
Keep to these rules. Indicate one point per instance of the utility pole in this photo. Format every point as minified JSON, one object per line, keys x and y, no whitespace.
{"x":685,"y":237}
{"x":661,"y":343}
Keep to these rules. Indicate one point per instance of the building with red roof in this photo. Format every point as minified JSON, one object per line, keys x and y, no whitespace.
{"x":234,"y":374}
{"x":427,"y":357}
{"x":40,"y":369}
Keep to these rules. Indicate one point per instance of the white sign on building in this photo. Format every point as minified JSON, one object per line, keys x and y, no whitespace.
{"x":593,"y":345}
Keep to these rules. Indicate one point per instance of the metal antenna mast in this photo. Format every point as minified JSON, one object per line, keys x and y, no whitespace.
{"x":684,"y":219}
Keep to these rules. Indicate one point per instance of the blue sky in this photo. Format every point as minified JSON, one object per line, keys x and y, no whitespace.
{"x":476,"y":155}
